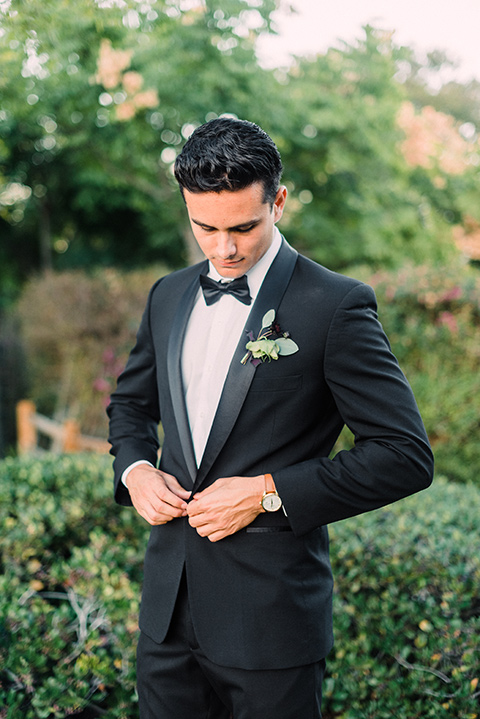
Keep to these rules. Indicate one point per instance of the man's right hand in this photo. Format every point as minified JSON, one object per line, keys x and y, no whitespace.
{"x":157,"y":496}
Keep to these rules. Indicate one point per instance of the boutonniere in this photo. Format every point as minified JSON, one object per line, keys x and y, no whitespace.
{"x":270,"y":343}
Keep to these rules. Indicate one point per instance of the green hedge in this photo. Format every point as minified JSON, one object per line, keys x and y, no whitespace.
{"x":432,"y":318}
{"x":69,"y":593}
{"x":407,"y":609}
{"x":77,"y":348}
{"x":406,"y":606}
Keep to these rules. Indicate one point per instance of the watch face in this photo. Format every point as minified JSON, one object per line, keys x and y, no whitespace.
{"x":271,"y":502}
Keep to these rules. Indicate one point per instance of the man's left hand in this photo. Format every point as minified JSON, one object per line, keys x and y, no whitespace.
{"x":228,"y":505}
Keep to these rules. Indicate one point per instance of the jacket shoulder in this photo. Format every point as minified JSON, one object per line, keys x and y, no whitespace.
{"x":330,"y":287}
{"x":178,"y":280}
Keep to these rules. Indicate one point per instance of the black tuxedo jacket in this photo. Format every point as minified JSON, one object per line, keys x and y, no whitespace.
{"x":261,"y":599}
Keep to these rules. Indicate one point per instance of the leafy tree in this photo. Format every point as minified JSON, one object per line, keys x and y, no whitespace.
{"x":425,"y":85}
{"x":354,"y":200}
{"x":96,"y":98}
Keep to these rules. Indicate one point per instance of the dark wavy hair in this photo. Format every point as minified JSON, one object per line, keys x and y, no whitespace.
{"x":229,"y":154}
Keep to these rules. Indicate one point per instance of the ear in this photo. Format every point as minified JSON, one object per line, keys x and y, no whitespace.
{"x":279,"y":203}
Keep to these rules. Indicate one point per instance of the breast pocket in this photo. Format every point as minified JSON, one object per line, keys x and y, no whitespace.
{"x":265,"y":383}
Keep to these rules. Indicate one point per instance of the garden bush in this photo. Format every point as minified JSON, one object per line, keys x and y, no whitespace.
{"x":407,"y":612}
{"x":432,"y":318}
{"x":407,"y":609}
{"x":77,"y":330}
{"x":71,"y":564}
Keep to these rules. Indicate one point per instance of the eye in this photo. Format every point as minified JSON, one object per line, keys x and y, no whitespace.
{"x":244,"y":230}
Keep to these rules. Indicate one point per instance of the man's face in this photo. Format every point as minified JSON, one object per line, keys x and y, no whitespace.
{"x":234,"y":229}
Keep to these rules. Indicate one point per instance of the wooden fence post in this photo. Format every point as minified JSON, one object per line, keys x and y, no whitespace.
{"x":65,"y":437}
{"x":71,"y":436}
{"x":26,"y":430}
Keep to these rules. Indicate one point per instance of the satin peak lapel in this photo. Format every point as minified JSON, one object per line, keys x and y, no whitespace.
{"x":175,"y":373}
{"x":239,"y":377}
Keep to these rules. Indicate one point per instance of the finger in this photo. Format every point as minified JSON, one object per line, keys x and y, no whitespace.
{"x":165,"y":495}
{"x":155,"y":509}
{"x":198,"y":520}
{"x":172,"y":481}
{"x":161,"y":515}
{"x":176,"y":488}
{"x":169,"y":511}
{"x":150,"y":515}
{"x":212,"y":534}
{"x":205,"y":530}
{"x":194,"y":508}
{"x":217,"y":536}
{"x":151,"y":483}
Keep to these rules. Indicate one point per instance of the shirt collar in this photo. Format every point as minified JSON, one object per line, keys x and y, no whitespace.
{"x":257,"y":273}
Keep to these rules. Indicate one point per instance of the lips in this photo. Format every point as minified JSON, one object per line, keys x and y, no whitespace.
{"x":233,"y":263}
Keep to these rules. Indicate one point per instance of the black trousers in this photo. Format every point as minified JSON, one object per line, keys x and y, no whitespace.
{"x":177,"y":681}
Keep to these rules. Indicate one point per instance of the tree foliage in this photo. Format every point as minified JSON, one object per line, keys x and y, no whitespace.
{"x":97,"y":97}
{"x":88,"y":180}
{"x":424,"y":83}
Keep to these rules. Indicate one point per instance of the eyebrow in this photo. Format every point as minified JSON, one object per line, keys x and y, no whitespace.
{"x":242,"y":226}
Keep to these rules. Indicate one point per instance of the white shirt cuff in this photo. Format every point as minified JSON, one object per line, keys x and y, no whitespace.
{"x":129,"y":469}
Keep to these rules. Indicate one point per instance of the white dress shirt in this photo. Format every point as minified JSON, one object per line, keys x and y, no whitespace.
{"x":211,"y":337}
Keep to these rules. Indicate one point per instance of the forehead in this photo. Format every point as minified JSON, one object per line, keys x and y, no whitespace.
{"x":231,"y":208}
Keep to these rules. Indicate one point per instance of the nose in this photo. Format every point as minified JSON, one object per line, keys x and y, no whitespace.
{"x":226,"y":247}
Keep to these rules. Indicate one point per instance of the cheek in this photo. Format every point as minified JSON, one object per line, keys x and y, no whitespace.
{"x":205,"y":243}
{"x":259,"y":247}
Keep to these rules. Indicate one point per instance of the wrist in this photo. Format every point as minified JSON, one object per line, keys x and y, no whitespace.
{"x":131,"y":467}
{"x":270,"y":502}
{"x":137,"y":472}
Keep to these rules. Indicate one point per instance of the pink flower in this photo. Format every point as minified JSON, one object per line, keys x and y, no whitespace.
{"x":454,"y":294}
{"x":446,"y":319}
{"x":132,"y":82}
{"x":146,"y":99}
{"x":109,"y":356}
{"x":126,"y":111}
{"x":110,"y":64}
{"x":101,"y":385}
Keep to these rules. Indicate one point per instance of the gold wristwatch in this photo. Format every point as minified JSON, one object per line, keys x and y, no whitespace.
{"x":270,"y":502}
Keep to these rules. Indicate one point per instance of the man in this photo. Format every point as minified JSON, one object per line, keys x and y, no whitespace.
{"x":253,"y":380}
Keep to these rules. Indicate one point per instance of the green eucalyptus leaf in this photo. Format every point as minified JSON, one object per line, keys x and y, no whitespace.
{"x":268,"y":318}
{"x":286,"y":346}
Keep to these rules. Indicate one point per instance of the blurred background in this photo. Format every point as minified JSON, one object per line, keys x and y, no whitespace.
{"x":381,"y":152}
{"x":375,"y":107}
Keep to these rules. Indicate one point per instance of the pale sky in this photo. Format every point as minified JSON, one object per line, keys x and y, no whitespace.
{"x":451,"y":25}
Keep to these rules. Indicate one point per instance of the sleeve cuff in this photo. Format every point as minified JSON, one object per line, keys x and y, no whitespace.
{"x":132,"y":466}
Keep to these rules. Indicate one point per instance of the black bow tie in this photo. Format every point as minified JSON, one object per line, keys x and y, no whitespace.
{"x":212,"y":291}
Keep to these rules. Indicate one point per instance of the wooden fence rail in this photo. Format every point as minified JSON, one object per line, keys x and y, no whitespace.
{"x":65,"y":436}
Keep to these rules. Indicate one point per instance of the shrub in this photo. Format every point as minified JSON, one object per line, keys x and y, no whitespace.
{"x":407,"y":612}
{"x":406,"y":600}
{"x":78,"y":330}
{"x":432,"y":318}
{"x":69,"y":591}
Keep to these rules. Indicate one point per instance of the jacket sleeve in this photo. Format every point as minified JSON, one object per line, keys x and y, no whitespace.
{"x":391,"y":457}
{"x":134,"y":410}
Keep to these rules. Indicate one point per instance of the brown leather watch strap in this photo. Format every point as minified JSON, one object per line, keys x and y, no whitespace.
{"x":269,"y":483}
